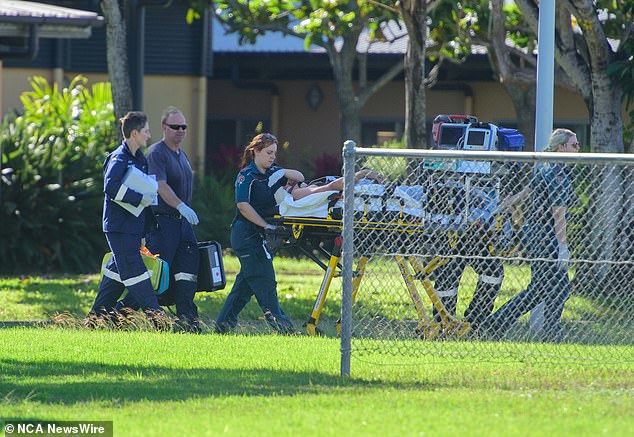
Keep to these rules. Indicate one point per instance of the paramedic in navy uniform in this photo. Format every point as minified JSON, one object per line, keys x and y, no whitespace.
{"x":174,"y":240}
{"x":545,"y":241}
{"x":123,"y":230}
{"x":256,"y":184}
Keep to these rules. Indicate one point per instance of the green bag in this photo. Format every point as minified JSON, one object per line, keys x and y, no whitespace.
{"x":159,"y":271}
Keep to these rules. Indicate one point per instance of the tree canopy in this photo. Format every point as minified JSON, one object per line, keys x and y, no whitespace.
{"x":332,"y":25}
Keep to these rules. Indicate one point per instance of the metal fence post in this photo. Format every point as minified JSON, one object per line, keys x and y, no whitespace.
{"x":348,"y":255}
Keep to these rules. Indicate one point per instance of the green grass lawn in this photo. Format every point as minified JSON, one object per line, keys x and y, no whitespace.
{"x":167,"y":384}
{"x":38,"y":298}
{"x":382,"y":295}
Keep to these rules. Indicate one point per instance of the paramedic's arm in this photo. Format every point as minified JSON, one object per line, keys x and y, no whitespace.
{"x":251,"y":214}
{"x":168,"y":195}
{"x":559,"y":215}
{"x":294,"y":175}
{"x":563,"y":252}
{"x":113,"y":183}
{"x":368,"y":174}
{"x":515,"y":198}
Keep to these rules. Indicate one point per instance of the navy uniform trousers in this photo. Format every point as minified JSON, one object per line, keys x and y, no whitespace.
{"x":256,"y":278}
{"x":174,"y":241}
{"x":490,"y":276}
{"x":549,"y":284}
{"x":125,"y":270}
{"x":490,"y":273}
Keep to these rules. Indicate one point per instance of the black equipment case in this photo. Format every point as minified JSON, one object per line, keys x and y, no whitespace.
{"x":211,"y":272}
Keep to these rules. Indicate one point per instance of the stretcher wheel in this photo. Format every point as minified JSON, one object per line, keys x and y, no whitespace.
{"x":427,"y":331}
{"x":457,"y":328}
{"x":311,"y":329}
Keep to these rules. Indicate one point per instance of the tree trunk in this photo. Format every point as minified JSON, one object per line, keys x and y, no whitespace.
{"x":519,"y":81}
{"x":351,"y":99}
{"x":523,"y":96}
{"x":117,"y":58}
{"x":609,"y":204}
{"x":342,"y":63}
{"x":414,"y":15}
{"x":351,"y":124}
{"x":606,"y":122}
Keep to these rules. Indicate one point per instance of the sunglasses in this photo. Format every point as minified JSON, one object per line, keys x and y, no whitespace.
{"x":176,"y":126}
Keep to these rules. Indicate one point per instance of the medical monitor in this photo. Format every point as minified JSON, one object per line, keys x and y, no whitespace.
{"x":480,"y":138}
{"x":451,"y":135}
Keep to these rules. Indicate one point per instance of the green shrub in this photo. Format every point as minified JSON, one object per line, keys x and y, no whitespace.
{"x":214,"y":203}
{"x":51,"y":185}
{"x":395,"y":169}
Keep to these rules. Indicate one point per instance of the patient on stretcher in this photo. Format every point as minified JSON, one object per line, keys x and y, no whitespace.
{"x":311,"y":200}
{"x":301,"y":190}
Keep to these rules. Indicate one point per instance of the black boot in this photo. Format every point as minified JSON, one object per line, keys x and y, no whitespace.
{"x":187,"y":325}
{"x":280,"y":325}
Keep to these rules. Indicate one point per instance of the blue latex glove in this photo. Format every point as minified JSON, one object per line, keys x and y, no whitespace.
{"x":563,"y":257}
{"x":188,"y":213}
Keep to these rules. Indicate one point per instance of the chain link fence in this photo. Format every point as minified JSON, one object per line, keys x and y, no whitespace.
{"x":489,"y":255}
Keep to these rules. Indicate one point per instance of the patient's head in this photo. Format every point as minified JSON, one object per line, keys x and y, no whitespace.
{"x":291,"y":185}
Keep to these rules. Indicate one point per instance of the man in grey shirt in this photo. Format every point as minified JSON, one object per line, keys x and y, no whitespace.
{"x":175,"y":240}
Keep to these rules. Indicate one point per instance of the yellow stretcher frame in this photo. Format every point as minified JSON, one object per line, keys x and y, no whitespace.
{"x":410,"y":267}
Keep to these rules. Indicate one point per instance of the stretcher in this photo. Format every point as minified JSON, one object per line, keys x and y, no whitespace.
{"x":310,"y":235}
{"x":433,"y":229}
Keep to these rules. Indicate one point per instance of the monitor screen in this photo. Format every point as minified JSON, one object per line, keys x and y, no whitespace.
{"x":476,"y":138}
{"x":450,"y":135}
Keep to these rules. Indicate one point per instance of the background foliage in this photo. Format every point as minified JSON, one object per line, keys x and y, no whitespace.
{"x":51,"y":198}
{"x":51,"y":182}
{"x":213,"y":201}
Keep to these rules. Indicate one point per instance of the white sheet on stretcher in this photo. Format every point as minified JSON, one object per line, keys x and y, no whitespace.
{"x":313,"y":205}
{"x":316,"y":204}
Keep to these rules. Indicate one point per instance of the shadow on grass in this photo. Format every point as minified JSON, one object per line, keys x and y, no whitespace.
{"x":73,"y":382}
{"x":59,"y":295}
